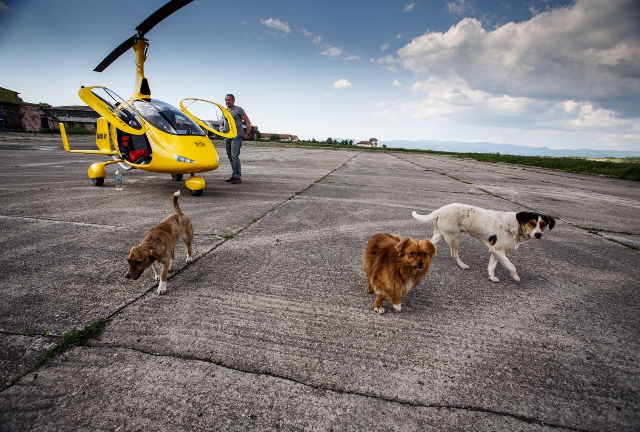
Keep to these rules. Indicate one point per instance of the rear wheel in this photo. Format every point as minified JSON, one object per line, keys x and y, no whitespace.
{"x":196,"y":192}
{"x":98,"y":181}
{"x":176,"y":177}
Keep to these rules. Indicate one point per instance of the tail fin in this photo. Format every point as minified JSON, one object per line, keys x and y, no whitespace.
{"x":176,"y":207}
{"x":425,"y":218}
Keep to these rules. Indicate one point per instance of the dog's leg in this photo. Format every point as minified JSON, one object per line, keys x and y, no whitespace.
{"x":496,"y":257}
{"x":156,"y":270}
{"x":454,"y":243}
{"x":437,"y":235}
{"x":369,"y":286}
{"x":162,"y":286}
{"x":493,"y":262}
{"x":188,"y":241}
{"x":500,"y":256}
{"x":397,"y":306}
{"x":377,"y":304}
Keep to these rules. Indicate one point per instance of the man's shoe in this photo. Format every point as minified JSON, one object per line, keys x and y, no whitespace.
{"x":230,"y":179}
{"x":236,"y":181}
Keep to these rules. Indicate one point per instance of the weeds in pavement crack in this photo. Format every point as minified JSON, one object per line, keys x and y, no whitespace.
{"x":69,"y":340}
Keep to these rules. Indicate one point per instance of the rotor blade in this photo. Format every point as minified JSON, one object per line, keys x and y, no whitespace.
{"x":122,"y":48}
{"x":160,"y":14}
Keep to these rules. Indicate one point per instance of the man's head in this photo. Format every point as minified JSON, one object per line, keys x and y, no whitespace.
{"x":230,"y":100}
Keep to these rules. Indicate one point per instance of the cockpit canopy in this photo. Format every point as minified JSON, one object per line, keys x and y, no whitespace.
{"x":166,"y":117}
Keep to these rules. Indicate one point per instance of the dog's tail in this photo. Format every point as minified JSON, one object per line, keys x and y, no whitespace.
{"x":426,"y":218}
{"x":176,"y":207}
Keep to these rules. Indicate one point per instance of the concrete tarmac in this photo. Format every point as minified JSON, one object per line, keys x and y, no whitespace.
{"x":270,"y":328}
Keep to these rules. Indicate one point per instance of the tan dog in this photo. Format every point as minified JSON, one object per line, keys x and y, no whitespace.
{"x":158,"y":246}
{"x":394,"y":266}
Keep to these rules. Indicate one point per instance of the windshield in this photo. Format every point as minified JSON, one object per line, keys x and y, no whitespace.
{"x":167,"y":118}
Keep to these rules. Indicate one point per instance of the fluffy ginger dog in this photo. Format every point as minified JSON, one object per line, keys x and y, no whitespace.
{"x":394,"y":266}
{"x":158,"y":246}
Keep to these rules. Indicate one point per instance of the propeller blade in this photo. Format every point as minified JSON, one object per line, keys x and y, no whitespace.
{"x":122,"y":48}
{"x":160,"y":14}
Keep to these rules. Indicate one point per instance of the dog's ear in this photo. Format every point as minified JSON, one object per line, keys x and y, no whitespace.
{"x":400,"y":247}
{"x":551,"y":221}
{"x":431,"y":248}
{"x":522,"y":217}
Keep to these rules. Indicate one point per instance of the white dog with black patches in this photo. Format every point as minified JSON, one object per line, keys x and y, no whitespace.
{"x":500,"y":231}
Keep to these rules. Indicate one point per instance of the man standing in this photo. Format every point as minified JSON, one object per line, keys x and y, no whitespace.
{"x":233,"y":144}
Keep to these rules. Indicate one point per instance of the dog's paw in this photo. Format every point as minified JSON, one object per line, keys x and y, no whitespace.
{"x":189,"y":259}
{"x":515,"y":277}
{"x":494,"y":279}
{"x":397,"y":307}
{"x":162,"y":287}
{"x":380,"y":310}
{"x":463,"y":266}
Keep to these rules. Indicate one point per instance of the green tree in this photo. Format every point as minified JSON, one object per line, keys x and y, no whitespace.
{"x":256,"y":132}
{"x":274,"y":137}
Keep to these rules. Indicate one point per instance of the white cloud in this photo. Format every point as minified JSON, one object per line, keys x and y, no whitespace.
{"x":315,"y":39}
{"x":385,"y":47}
{"x":328,"y":50}
{"x":408,"y":7}
{"x":588,"y":52}
{"x":449,"y":101}
{"x":396,"y":83}
{"x":276,"y":24}
{"x":388,"y":62}
{"x":331,"y":51}
{"x":3,"y":7}
{"x":458,"y":7}
{"x":342,"y":84}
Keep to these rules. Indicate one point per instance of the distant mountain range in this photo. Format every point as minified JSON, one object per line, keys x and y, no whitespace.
{"x":510,"y":149}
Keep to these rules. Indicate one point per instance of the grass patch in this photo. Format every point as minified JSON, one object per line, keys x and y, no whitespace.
{"x":69,"y":340}
{"x":629,"y":245}
{"x":627,"y":169}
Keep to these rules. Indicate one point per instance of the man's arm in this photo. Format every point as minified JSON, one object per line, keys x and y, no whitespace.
{"x":248,"y":123}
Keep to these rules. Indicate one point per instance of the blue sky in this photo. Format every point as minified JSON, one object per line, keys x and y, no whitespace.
{"x":555,"y":73}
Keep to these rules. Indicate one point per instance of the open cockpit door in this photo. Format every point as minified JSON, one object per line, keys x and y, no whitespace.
{"x":113,"y":108}
{"x":216,"y":116}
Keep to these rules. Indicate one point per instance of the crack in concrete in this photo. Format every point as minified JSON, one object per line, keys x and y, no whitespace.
{"x":37,"y":219}
{"x":470,"y":408}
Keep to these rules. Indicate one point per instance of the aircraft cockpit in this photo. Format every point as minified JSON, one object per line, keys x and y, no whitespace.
{"x":166,"y":117}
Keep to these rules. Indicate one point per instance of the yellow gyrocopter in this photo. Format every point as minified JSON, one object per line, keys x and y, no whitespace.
{"x":145,"y":133}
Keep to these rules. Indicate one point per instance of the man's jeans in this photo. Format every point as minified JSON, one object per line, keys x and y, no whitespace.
{"x":233,"y":152}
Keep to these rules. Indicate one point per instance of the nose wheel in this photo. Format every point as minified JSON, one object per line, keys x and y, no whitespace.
{"x":97,"y":173}
{"x":195,"y":185}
